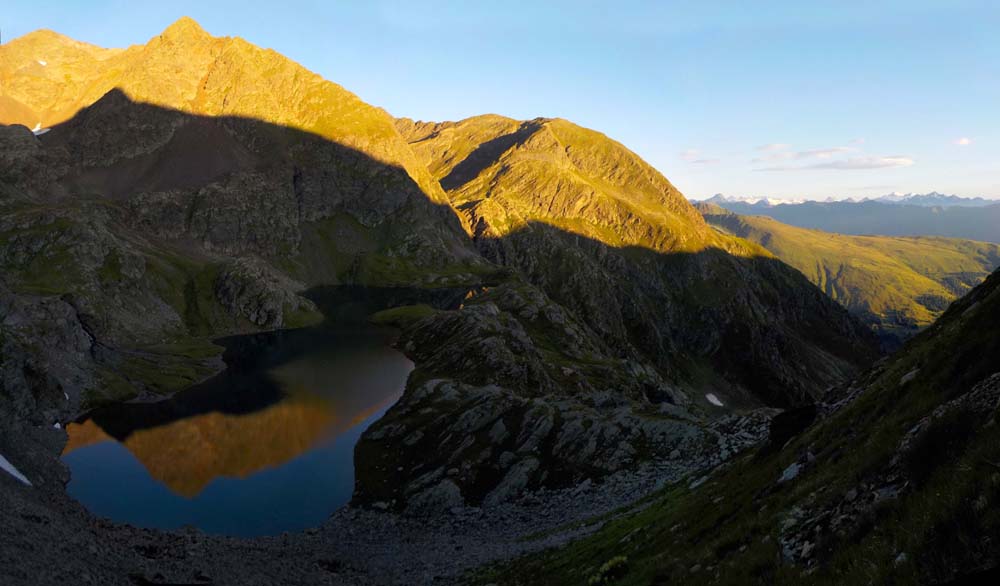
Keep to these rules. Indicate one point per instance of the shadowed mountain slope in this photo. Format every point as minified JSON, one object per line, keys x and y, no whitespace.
{"x":195,"y":187}
{"x":627,"y":320}
{"x":186,"y":69}
{"x":604,"y":234}
{"x":152,"y":229}
{"x":897,"y":484}
{"x":896,"y":284}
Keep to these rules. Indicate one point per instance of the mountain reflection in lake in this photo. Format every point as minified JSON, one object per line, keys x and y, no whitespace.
{"x":264,"y":447}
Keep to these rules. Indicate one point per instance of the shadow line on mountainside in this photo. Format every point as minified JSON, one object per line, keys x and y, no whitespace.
{"x":167,"y":167}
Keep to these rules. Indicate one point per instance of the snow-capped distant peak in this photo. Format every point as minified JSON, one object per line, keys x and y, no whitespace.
{"x":753,"y":200}
{"x":931,"y":199}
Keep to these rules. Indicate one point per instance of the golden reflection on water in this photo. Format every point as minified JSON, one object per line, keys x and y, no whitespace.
{"x":325,"y":396}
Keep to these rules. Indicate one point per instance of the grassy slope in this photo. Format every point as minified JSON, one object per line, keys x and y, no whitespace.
{"x":894,"y":281}
{"x":727,"y":530}
{"x":555,"y":172}
{"x":607,"y":235}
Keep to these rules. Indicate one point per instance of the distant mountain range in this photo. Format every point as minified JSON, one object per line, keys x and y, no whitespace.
{"x":930,"y":214}
{"x":932,"y":199}
{"x":896,"y":284}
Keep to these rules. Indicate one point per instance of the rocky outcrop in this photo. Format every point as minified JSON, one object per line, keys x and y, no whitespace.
{"x":610,"y":239}
{"x":812,"y":532}
{"x":512,"y":393}
{"x":898,"y":469}
{"x":257,"y":292}
{"x":197,"y":213}
{"x":45,"y":359}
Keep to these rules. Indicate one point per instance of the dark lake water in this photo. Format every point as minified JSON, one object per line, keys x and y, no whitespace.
{"x":265,"y":446}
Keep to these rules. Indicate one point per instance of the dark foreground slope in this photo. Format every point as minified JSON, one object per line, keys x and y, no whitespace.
{"x":897,"y":284}
{"x":898,"y":483}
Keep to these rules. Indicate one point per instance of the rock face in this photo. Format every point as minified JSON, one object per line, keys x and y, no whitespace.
{"x":512,"y":393}
{"x":197,"y":186}
{"x":899,"y":469}
{"x":164,"y":208}
{"x":610,"y":239}
{"x":254,"y":290}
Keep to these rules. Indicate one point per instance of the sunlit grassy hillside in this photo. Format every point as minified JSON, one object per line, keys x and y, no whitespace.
{"x":898,"y":284}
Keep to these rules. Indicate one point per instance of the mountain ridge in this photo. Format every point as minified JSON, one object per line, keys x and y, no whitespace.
{"x":897,"y":284}
{"x":199,"y":186}
{"x":880,"y":218}
{"x":538,"y":173}
{"x":930,"y":199}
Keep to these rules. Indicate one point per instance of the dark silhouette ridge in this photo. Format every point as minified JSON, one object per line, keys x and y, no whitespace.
{"x":130,"y":151}
{"x":652,"y":314}
{"x":127,"y":148}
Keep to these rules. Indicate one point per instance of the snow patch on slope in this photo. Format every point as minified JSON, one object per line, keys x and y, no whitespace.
{"x":714,"y":400}
{"x":5,"y":465}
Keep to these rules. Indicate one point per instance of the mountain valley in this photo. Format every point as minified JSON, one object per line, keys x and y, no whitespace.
{"x":604,"y":383}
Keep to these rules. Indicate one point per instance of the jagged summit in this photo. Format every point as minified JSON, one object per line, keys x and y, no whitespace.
{"x":185,"y":27}
{"x":561,"y":173}
{"x":187,"y":69}
{"x":43,"y":35}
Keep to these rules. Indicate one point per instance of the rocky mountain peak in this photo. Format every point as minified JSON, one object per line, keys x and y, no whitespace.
{"x":185,"y":29}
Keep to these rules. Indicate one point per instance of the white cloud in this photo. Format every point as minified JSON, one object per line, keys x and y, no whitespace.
{"x":851,"y":164}
{"x":694,"y":157}
{"x":867,"y":163}
{"x":799,"y":155}
{"x":690,"y":155}
{"x":777,"y":146}
{"x":964,"y":141}
{"x":779,"y":156}
{"x":821,"y":153}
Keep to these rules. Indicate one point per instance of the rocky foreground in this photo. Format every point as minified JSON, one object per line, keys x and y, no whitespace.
{"x":50,"y":539}
{"x":195,"y":187}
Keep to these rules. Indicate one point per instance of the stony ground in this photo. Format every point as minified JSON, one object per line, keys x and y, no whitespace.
{"x":47,"y":538}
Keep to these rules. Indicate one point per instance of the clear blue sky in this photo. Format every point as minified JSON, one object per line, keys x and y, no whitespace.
{"x":854,"y":98}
